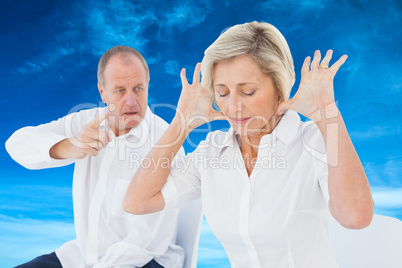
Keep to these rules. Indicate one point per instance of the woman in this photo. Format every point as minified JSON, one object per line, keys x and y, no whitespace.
{"x":270,"y":183}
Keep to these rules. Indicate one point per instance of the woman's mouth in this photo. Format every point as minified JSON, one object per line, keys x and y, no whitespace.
{"x":241,"y":120}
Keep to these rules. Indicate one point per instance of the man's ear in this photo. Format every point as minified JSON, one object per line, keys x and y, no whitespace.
{"x":102,"y":92}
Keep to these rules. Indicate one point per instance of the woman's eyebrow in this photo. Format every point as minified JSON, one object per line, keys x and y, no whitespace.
{"x":239,"y":84}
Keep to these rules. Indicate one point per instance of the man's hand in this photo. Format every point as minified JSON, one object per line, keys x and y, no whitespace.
{"x":89,"y":142}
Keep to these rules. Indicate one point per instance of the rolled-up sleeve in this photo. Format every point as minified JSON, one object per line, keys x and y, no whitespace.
{"x":29,"y":146}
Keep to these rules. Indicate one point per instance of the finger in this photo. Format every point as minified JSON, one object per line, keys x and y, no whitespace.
{"x":327,"y":58}
{"x":216,"y":115}
{"x":99,"y":118}
{"x":316,"y":60}
{"x":306,"y":65}
{"x":97,"y":145}
{"x":196,"y":75}
{"x":183,"y":78}
{"x":335,"y":67}
{"x":102,"y":137}
{"x":109,"y":135}
{"x":91,"y":136}
{"x":285,"y":105}
{"x":91,"y":152}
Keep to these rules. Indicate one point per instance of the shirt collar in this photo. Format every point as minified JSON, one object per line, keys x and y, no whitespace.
{"x":285,"y":131}
{"x":140,"y":131}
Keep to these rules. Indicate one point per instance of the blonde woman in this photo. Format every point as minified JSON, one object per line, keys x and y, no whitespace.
{"x":270,"y":184}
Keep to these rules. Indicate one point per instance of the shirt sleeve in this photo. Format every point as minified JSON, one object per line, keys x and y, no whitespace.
{"x":29,"y":146}
{"x":322,"y":174}
{"x":124,"y":255}
{"x":184,"y":182}
{"x":320,"y":162}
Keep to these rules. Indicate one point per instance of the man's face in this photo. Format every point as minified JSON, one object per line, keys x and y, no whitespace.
{"x":125,"y":91}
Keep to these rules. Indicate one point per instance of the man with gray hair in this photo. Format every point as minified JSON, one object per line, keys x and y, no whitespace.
{"x":102,"y":142}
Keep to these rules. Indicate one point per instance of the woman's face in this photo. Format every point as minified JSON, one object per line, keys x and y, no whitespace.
{"x":246,"y":95}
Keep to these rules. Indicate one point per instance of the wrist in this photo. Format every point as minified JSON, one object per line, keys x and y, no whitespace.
{"x":327,"y":112}
{"x":180,"y":124}
{"x":60,"y":150}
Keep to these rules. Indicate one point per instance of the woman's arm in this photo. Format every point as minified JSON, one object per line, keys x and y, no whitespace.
{"x":350,"y":202}
{"x":194,"y":109}
{"x":144,"y":191}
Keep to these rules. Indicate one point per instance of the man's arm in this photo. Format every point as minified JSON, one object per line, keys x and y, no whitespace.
{"x":50,"y":145}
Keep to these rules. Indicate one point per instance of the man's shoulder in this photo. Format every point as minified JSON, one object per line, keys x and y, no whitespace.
{"x":158,"y":123}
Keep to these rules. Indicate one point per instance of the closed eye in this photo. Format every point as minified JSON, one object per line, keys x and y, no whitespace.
{"x":249,"y":94}
{"x":223,"y":95}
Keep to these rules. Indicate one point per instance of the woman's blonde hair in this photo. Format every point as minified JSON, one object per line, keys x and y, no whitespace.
{"x":263,"y":43}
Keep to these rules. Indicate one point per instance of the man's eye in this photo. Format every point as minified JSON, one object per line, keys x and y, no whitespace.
{"x":119,"y":91}
{"x":138,"y":88}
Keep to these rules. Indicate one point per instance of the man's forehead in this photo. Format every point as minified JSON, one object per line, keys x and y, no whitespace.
{"x":124,"y":60}
{"x":119,"y":70}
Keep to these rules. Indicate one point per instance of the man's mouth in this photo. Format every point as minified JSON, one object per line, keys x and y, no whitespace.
{"x":130,"y":113}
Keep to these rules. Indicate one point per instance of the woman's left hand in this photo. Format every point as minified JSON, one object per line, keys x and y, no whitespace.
{"x":316,"y":88}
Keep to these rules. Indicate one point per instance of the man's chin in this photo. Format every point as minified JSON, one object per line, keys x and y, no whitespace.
{"x":132,"y":121}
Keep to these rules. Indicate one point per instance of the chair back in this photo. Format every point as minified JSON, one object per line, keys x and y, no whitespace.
{"x":188,"y":232}
{"x":378,"y":245}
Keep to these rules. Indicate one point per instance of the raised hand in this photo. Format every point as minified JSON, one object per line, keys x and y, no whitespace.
{"x":195,"y":103}
{"x":89,"y":141}
{"x":316,"y":90}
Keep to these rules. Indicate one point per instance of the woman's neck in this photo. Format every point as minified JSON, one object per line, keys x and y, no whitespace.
{"x":250,"y":143}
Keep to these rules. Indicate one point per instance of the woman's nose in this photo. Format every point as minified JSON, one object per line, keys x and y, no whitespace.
{"x":234,"y":104}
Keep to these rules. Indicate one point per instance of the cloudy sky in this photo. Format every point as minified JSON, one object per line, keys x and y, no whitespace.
{"x":49,"y":54}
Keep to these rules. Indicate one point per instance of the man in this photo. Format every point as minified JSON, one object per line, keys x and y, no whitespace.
{"x":106,"y":145}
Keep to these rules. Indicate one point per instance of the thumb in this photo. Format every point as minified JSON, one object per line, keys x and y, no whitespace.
{"x":285,"y":105}
{"x":215,"y":115}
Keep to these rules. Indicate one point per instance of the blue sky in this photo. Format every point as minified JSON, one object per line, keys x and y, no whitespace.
{"x":49,"y":54}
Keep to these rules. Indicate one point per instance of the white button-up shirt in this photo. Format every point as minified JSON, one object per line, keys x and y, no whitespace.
{"x":107,"y":236}
{"x":276,"y":217}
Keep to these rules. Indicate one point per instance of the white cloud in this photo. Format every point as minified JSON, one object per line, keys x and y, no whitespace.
{"x":95,"y":26}
{"x":185,"y":15}
{"x":386,"y":173}
{"x":387,"y":197}
{"x":38,"y":201}
{"x":172,"y":67}
{"x":312,"y":5}
{"x":24,"y":239}
{"x":211,"y":251}
{"x":121,"y":23}
{"x":372,"y":133}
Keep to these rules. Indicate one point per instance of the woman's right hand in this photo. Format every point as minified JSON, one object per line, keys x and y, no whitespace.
{"x":195,"y":103}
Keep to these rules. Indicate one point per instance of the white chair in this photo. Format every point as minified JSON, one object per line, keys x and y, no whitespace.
{"x":188,"y":232}
{"x":377,"y":246}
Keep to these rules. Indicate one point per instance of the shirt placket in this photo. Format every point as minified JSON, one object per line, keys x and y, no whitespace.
{"x":96,"y":206}
{"x":244,"y":217}
{"x":244,"y":224}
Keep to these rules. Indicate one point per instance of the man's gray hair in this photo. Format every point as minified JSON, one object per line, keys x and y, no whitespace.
{"x":122,"y":50}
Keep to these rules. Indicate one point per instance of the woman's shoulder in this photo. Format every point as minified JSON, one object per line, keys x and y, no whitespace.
{"x":312,"y":139}
{"x":214,"y":141}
